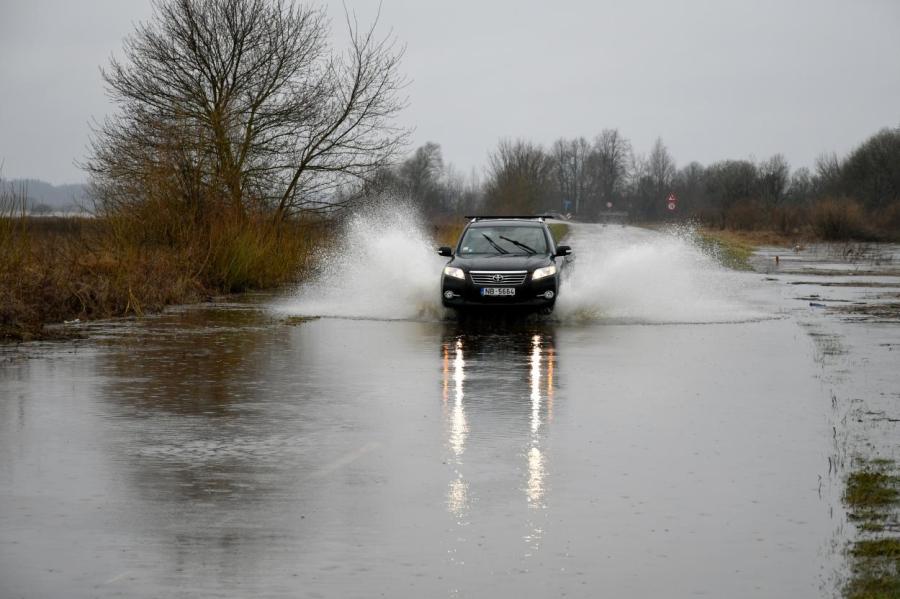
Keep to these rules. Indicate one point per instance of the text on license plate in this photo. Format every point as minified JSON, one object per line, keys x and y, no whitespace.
{"x":498,"y":291}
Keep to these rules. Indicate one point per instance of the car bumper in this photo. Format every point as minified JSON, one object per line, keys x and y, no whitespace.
{"x":529,"y":295}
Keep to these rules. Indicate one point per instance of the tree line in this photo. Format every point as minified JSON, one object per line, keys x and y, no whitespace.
{"x":588,"y":178}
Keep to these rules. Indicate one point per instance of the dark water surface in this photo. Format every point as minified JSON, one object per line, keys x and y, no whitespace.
{"x":221,"y":451}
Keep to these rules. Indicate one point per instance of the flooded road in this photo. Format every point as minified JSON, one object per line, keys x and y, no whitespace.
{"x":632,"y":446}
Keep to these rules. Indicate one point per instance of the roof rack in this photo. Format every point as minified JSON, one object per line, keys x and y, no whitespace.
{"x":510,"y":217}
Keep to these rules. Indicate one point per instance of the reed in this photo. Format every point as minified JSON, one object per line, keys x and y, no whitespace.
{"x":138,"y":260}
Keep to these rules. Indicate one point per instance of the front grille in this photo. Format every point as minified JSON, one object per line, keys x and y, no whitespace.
{"x":498,"y":277}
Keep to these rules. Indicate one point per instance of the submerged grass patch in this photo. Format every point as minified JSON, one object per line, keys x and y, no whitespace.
{"x":874,"y":587}
{"x":872,"y":496}
{"x":877,"y":548}
{"x":871,"y":488}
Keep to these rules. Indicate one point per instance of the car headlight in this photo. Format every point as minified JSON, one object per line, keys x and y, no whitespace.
{"x":456,"y":273}
{"x":547,"y":271}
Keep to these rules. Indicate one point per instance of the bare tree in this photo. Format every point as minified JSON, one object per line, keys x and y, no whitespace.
{"x":241,"y":104}
{"x":872,"y":171}
{"x":660,"y":169}
{"x":689,"y":184}
{"x":731,"y":181}
{"x":774,"y":176}
{"x":569,"y":157}
{"x":465,"y":194}
{"x":607,"y":167}
{"x":801,"y":188}
{"x":661,"y":166}
{"x":828,"y":173}
{"x":519,"y":178}
{"x":420,"y":178}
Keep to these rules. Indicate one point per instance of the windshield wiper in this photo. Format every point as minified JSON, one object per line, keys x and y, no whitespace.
{"x":494,"y":243}
{"x":528,"y":249}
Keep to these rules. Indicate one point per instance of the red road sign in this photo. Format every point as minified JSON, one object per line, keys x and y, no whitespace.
{"x":672,"y":201}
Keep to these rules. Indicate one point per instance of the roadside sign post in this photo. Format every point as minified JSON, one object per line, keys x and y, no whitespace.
{"x":672,"y":202}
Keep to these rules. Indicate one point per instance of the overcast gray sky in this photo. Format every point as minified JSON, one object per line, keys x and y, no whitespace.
{"x":715,"y":79}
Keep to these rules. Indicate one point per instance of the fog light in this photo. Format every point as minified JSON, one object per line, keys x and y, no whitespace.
{"x":549,"y":294}
{"x":449,"y":294}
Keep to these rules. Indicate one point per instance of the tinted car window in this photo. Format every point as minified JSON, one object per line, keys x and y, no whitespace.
{"x":503,"y":240}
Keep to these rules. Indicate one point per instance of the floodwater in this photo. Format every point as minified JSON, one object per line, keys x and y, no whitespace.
{"x":672,"y":431}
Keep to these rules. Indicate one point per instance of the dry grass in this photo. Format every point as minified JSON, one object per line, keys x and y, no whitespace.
{"x":726,"y":249}
{"x":446,"y":230}
{"x":52,"y":270}
{"x":559,"y":231}
{"x":754,"y":238}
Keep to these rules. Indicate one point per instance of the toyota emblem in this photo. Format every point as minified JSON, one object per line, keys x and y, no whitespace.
{"x":497,"y":278}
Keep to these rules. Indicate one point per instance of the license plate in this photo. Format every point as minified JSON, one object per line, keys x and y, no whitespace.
{"x":498,"y":291}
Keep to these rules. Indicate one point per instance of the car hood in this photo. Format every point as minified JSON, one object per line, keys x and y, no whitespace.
{"x":501,"y":262}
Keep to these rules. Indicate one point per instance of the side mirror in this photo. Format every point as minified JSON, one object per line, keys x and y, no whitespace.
{"x":445,"y":251}
{"x":563,"y":250}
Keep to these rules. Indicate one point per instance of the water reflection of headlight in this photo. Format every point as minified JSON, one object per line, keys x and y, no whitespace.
{"x":536,"y":473}
{"x":458,"y":491}
{"x":446,"y":390}
{"x":535,"y":380}
{"x":458,"y":496}
{"x":536,"y":461}
{"x":551,"y":363}
{"x":459,"y":428}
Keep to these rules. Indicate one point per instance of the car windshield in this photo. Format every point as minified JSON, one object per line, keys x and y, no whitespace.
{"x":503,"y":240}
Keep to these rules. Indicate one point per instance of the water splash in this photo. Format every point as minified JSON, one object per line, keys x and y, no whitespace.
{"x":632,"y":275}
{"x":385,"y":267}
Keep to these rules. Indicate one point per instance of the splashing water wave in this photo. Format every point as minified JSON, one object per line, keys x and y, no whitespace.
{"x":386,"y":268}
{"x":632,"y":275}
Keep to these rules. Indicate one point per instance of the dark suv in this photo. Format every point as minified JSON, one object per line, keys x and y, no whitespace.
{"x":509,"y":261}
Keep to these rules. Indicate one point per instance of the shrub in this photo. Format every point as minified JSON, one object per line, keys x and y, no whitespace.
{"x":839,"y":220}
{"x":789,"y":220}
{"x":889,"y":221}
{"x":746,"y":215}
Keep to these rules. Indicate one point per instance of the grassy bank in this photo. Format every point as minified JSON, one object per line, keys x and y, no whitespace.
{"x":872,"y":497}
{"x":61,"y":269}
{"x":559,"y":231}
{"x":731,"y":249}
